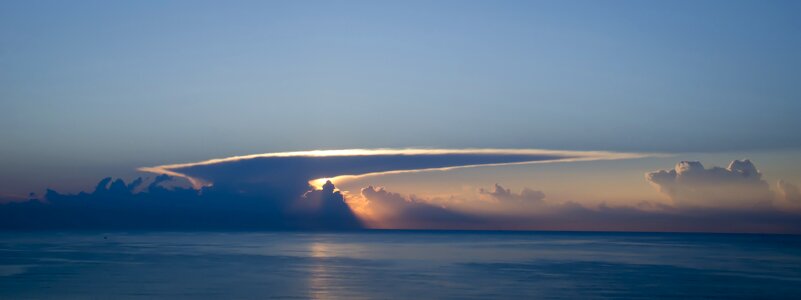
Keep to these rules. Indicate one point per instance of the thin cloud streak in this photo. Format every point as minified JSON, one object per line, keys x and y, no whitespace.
{"x":600,"y":156}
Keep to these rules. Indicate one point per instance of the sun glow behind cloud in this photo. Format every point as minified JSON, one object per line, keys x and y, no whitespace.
{"x":319,"y":182}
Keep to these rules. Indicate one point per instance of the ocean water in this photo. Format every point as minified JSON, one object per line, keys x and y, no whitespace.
{"x":398,"y":265}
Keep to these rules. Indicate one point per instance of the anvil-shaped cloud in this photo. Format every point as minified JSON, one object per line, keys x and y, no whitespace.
{"x":282,"y":170}
{"x":263,"y":191}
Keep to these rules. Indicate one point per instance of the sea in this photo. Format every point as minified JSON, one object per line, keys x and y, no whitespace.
{"x":389,"y":264}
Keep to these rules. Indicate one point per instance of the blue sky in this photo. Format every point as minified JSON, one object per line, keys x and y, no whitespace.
{"x":96,"y":88}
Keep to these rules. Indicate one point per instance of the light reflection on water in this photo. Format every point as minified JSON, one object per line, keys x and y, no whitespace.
{"x":398,"y":265}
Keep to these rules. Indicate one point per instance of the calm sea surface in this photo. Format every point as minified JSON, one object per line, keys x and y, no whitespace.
{"x":397,"y":265}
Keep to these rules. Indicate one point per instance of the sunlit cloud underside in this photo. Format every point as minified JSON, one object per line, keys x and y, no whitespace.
{"x":317,"y":166}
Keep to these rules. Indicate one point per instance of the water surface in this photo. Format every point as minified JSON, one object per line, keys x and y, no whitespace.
{"x":398,"y":265}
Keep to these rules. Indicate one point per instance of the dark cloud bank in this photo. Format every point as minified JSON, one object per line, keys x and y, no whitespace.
{"x":115,"y":205}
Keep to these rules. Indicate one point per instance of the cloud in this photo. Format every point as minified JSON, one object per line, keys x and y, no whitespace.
{"x":689,"y":184}
{"x":500,"y":208}
{"x":384,"y":209}
{"x":326,"y":207}
{"x":788,"y":192}
{"x":259,"y":191}
{"x":17,"y":198}
{"x":297,"y":168}
{"x":654,"y":217}
{"x":401,"y":211}
{"x":114,"y":205}
{"x":273,"y":192}
{"x":163,"y":206}
{"x":502,"y":194}
{"x":483,"y":209}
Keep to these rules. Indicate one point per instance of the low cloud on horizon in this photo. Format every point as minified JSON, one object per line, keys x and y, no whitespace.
{"x":272,"y":191}
{"x":509,"y":210}
{"x":738,"y":186}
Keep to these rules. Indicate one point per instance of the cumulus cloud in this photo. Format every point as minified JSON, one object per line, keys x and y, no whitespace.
{"x":114,"y":205}
{"x":788,"y":192}
{"x":689,"y":184}
{"x":381,"y":208}
{"x":384,"y":209}
{"x":505,"y":209}
{"x":326,"y":207}
{"x":416,"y":212}
{"x":503,"y":194}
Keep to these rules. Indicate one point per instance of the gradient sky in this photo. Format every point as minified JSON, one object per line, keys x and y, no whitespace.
{"x":90,"y":89}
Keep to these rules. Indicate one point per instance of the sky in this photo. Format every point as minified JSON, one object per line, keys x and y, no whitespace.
{"x":92,"y":89}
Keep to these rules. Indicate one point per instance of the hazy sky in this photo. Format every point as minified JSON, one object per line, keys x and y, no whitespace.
{"x":97,"y":88}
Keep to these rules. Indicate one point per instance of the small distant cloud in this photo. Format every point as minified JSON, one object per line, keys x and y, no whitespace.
{"x":16,"y":198}
{"x":503,"y":194}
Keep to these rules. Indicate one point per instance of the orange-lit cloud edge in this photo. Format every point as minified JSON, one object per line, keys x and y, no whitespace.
{"x":568,"y":156}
